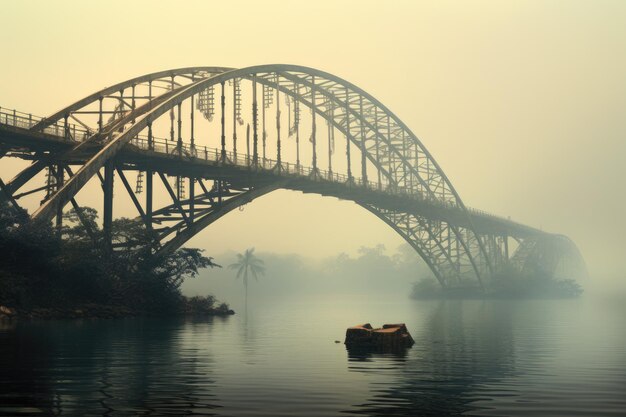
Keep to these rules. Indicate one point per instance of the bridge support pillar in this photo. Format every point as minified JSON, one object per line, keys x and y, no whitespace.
{"x":59,"y":183}
{"x":108,"y":202}
{"x":506,"y":247}
{"x":192,"y":198}
{"x":149,"y":198}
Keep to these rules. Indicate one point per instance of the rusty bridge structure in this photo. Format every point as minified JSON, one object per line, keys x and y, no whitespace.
{"x":212,"y":139}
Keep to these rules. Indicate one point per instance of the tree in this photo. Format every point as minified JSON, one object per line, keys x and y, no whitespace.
{"x":425,"y":288}
{"x":248,"y":262}
{"x":42,"y":266}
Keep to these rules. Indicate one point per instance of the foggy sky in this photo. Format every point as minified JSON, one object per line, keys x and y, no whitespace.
{"x":521,"y":102}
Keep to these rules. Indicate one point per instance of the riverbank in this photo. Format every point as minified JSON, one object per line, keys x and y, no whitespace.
{"x":55,"y":273}
{"x":515,"y":285}
{"x":101,"y":311}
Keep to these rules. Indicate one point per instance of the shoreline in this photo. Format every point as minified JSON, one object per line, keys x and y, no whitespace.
{"x":102,"y":311}
{"x":507,"y":297}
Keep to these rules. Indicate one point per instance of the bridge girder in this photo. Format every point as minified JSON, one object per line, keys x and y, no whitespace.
{"x":452,"y":251}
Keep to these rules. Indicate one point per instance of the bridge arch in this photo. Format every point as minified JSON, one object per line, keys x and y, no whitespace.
{"x":184,"y":232}
{"x":383,"y":139}
{"x":107,"y":92}
{"x":553,"y":254}
{"x":61,"y":117}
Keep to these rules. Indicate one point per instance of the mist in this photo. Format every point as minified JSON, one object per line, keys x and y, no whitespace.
{"x":372,"y":272}
{"x":501,"y":129}
{"x":521,"y":103}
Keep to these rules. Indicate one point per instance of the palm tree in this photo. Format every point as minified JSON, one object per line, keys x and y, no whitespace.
{"x":248,"y":262}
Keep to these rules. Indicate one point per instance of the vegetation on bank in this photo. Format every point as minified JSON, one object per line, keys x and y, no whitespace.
{"x":509,"y":283}
{"x":71,"y":272}
{"x":371,"y":270}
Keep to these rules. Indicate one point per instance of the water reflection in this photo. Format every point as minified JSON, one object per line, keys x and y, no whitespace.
{"x":470,"y":357}
{"x":371,"y":355}
{"x":248,"y":336}
{"x":459,"y":346}
{"x":106,"y":366}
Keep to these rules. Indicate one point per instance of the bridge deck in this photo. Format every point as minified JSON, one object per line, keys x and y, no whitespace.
{"x":203,"y":162}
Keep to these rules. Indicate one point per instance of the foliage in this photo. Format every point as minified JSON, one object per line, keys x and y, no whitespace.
{"x":534,"y":283}
{"x":199,"y":305}
{"x":248,"y":262}
{"x":508,"y":283}
{"x":426,"y":287}
{"x":43,"y":266}
{"x":374,"y":269}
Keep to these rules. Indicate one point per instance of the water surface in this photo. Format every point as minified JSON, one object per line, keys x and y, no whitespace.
{"x":554,"y":358}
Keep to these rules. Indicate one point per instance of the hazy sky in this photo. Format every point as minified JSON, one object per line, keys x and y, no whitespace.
{"x":521,"y":102}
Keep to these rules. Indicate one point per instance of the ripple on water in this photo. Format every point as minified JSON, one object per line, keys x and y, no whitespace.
{"x":481,"y":358}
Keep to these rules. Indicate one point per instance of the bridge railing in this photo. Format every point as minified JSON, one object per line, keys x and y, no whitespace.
{"x":162,"y":145}
{"x":483,"y":213}
{"x":283,"y":168}
{"x":78,"y":133}
{"x":70,"y":131}
{"x":290,"y":169}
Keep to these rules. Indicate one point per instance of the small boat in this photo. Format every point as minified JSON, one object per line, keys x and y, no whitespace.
{"x":388,"y":337}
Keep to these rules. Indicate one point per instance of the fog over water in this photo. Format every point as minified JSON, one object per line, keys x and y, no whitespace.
{"x":523,"y":105}
{"x":372,"y":271}
{"x":278,"y":358}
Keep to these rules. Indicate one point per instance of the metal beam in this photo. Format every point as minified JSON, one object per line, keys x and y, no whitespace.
{"x":133,"y":197}
{"x":107,"y":215}
{"x":175,"y":199}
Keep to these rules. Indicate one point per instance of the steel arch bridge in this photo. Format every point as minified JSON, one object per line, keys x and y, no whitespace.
{"x":117,"y":130}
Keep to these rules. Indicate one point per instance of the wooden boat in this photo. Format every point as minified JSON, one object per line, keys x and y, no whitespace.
{"x":388,"y":337}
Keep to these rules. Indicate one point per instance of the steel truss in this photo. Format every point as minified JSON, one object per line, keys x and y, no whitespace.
{"x":458,"y":252}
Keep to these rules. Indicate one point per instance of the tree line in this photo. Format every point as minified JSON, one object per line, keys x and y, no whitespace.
{"x":46,"y":266}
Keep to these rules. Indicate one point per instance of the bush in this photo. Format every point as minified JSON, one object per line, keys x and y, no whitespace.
{"x":223,"y":307}
{"x":426,"y":287}
{"x":508,"y":283}
{"x":199,"y":305}
{"x":533,"y":284}
{"x":43,"y":267}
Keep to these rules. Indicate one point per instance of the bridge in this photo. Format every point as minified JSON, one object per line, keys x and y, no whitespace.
{"x":212,"y":139}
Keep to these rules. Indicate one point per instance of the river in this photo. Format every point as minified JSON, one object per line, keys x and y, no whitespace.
{"x":472,"y":357}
